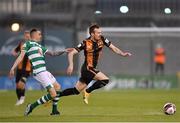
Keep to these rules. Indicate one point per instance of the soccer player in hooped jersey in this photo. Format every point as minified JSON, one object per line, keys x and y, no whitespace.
{"x":92,"y":48}
{"x":36,"y":54}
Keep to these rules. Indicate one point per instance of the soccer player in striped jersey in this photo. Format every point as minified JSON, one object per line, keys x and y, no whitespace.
{"x":36,"y":54}
{"x":92,"y":48}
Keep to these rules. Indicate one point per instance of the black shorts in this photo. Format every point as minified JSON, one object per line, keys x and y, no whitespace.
{"x":22,"y":75}
{"x":87,"y":74}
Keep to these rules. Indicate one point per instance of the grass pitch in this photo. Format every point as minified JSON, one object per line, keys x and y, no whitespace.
{"x":116,"y":105}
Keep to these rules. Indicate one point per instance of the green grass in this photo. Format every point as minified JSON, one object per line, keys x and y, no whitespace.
{"x":116,"y":105}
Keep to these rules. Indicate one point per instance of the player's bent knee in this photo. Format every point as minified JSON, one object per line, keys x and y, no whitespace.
{"x":53,"y":95}
{"x":52,"y":92}
{"x":20,"y":85}
{"x":57,"y":86}
{"x":76,"y":91}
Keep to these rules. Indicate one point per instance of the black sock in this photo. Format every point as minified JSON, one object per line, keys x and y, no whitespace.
{"x":69,"y":91}
{"x":98,"y":84}
{"x":18,"y":93}
{"x":22,"y":92}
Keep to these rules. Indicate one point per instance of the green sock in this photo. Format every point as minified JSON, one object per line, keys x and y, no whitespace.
{"x":42,"y":100}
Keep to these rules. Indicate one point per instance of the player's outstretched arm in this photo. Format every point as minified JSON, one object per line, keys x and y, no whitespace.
{"x":58,"y":53}
{"x":70,"y":61}
{"x":118,"y":51}
{"x":18,"y":60}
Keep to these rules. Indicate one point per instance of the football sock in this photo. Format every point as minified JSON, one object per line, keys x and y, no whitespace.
{"x":22,"y":92}
{"x":98,"y":84}
{"x":42,"y":100}
{"x":18,"y":93}
{"x":55,"y":102}
{"x":69,"y":91}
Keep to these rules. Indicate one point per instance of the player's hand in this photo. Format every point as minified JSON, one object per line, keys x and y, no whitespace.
{"x":11,"y":73}
{"x":69,"y":70}
{"x":69,"y":50}
{"x":125,"y":54}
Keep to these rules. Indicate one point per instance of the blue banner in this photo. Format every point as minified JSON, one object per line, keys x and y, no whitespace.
{"x":32,"y":84}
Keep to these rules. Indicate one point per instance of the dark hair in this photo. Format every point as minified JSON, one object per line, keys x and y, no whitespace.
{"x":92,"y":27}
{"x":32,"y":31}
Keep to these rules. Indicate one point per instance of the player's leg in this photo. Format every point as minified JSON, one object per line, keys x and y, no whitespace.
{"x":84,"y":80}
{"x":20,"y":90}
{"x":74,"y":91}
{"x":47,"y":83}
{"x":21,"y":78}
{"x":18,"y":77}
{"x":56,"y":99}
{"x":20,"y":87}
{"x":161,"y":69}
{"x":80,"y":85}
{"x":102,"y":80}
{"x":156,"y":68}
{"x":88,"y":75}
{"x":42,"y":100}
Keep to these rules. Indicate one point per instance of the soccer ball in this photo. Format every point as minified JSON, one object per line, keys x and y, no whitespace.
{"x":169,"y":108}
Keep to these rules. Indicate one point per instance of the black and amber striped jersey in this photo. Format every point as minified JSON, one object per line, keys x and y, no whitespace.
{"x":25,"y":64}
{"x":92,"y":50}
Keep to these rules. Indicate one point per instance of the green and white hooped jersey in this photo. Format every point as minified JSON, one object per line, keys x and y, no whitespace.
{"x":35,"y":53}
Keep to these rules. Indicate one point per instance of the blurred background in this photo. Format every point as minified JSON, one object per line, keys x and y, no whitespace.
{"x":137,"y":26}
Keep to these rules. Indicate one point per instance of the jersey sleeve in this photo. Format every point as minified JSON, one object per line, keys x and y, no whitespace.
{"x":80,"y":46}
{"x":106,"y":41}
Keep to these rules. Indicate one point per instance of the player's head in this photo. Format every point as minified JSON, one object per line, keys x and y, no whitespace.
{"x":35,"y":34}
{"x":95,"y":32}
{"x":27,"y":35}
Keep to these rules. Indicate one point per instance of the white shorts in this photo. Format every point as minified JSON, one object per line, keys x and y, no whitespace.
{"x":46,"y":79}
